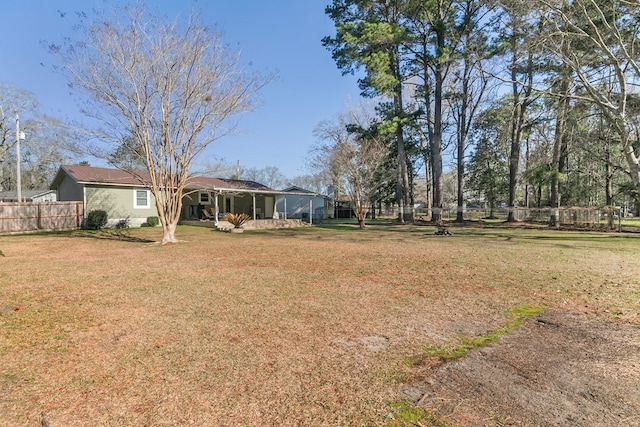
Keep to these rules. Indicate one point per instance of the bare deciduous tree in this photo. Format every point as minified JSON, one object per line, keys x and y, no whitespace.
{"x":172,"y":86}
{"x":354,"y":160}
{"x":43,"y":149}
{"x":598,"y":41}
{"x":269,"y":176}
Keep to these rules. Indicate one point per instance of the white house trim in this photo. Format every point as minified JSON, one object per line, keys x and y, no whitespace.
{"x":136,"y":205}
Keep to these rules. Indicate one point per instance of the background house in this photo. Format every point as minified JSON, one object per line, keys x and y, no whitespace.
{"x":299,"y":203}
{"x":35,"y":196}
{"x":342,"y":207}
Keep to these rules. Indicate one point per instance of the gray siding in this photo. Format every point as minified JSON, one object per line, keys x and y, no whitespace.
{"x":69,"y":190}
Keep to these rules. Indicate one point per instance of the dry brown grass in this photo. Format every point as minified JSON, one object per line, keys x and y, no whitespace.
{"x":287,"y":327}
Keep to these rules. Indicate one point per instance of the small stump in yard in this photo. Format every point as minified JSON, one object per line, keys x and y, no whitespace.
{"x":443,"y":230}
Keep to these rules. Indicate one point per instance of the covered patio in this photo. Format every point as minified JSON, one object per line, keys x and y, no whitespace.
{"x":258,"y":224}
{"x":210,"y":199}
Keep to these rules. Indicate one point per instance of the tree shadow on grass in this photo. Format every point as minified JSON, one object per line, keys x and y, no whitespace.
{"x":120,"y":234}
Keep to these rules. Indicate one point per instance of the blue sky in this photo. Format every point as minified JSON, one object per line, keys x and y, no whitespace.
{"x":274,"y":35}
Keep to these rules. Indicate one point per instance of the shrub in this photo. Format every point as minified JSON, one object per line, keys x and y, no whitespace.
{"x":96,"y":219}
{"x":152,"y":221}
{"x":123,"y":223}
{"x":237,"y":219}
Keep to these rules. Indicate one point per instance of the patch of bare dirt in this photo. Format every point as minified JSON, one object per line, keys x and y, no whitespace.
{"x":559,"y":369}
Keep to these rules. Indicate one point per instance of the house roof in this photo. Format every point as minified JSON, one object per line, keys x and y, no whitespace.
{"x":118,"y":177}
{"x":205,"y":182}
{"x":95,"y":175}
{"x":296,"y":189}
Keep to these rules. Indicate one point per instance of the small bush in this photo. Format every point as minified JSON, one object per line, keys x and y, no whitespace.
{"x":96,"y":219}
{"x":123,"y":223}
{"x":152,"y":221}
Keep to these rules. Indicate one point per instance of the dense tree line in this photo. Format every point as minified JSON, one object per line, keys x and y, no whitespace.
{"x":535,"y":101}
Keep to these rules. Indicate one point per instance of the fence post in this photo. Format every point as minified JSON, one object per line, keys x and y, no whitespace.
{"x":620,"y":213}
{"x":79,"y":214}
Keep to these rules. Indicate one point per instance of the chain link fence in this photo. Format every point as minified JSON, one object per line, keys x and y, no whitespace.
{"x":598,"y":218}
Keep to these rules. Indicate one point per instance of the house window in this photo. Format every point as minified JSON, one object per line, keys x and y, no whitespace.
{"x":141,"y":199}
{"x":204,"y":198}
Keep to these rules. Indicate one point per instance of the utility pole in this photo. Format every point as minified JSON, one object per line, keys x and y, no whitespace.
{"x":19,"y":136}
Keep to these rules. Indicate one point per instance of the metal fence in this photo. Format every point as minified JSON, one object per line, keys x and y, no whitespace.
{"x":604,"y":218}
{"x":25,"y":217}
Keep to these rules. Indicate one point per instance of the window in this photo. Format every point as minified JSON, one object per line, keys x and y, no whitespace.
{"x":204,"y":198}
{"x":141,"y":199}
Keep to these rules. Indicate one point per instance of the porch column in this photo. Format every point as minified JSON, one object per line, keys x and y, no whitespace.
{"x":275,"y":206}
{"x":253,"y":201}
{"x":215,"y":202}
{"x":310,"y":210}
{"x":285,"y":207}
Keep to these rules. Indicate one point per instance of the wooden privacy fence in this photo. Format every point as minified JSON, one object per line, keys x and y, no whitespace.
{"x":22,"y":217}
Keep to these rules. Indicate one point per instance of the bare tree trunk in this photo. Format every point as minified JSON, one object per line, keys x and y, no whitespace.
{"x":474,"y":83}
{"x":520,"y":105}
{"x":429,"y":184}
{"x":436,"y":140}
{"x":169,"y":211}
{"x":558,"y":143}
{"x":632,"y":161}
{"x":608,"y":188}
{"x":169,"y":232}
{"x":399,"y":195}
{"x":514,"y":155}
{"x":402,"y":188}
{"x":461,"y":141}
{"x":436,"y":203}
{"x":4,"y":147}
{"x":526,"y":166}
{"x":460,"y":213}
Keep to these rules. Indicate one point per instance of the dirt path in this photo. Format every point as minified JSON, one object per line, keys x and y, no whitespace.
{"x":558,"y":369}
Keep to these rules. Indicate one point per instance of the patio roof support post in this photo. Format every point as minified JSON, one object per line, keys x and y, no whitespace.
{"x":285,"y":207}
{"x":215,"y":203}
{"x":275,"y":207}
{"x":310,"y":210}
{"x":253,"y":201}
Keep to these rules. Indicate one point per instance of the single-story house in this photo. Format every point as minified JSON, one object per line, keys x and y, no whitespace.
{"x":34,"y":196}
{"x":299,"y":203}
{"x":125,"y":195}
